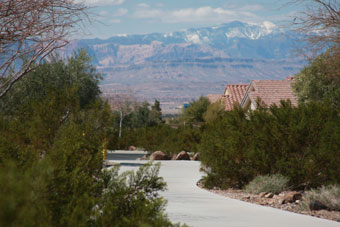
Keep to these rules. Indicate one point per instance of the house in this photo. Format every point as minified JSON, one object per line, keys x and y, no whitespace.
{"x":233,"y":93}
{"x":270,"y":92}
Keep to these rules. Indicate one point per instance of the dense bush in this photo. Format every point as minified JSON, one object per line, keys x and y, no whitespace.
{"x":300,"y":143}
{"x":326,"y":195}
{"x":53,"y":130}
{"x":269,"y":183}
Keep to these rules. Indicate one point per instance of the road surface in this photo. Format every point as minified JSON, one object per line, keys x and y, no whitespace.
{"x":197,"y":207}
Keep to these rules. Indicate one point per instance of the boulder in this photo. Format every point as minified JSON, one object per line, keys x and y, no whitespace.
{"x":196,"y":157}
{"x":317,"y":205}
{"x":132,"y":148}
{"x":183,"y":155}
{"x":291,"y":197}
{"x":158,"y":155}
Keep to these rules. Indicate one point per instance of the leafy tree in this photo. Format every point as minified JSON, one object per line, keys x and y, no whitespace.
{"x":75,"y":79}
{"x":156,"y":113}
{"x":141,"y":116}
{"x":320,"y":80}
{"x":194,"y":113}
{"x":214,"y":111}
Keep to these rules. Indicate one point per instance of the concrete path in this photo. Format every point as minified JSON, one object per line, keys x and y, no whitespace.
{"x":197,"y":207}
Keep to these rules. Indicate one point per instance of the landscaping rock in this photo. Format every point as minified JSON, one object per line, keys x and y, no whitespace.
{"x":276,"y":202}
{"x":317,"y":205}
{"x":183,"y":155}
{"x":291,"y":197}
{"x":159,"y":155}
{"x":196,"y":157}
{"x":269,"y":195}
{"x":132,"y":148}
{"x":262,"y":194}
{"x":173,"y":157}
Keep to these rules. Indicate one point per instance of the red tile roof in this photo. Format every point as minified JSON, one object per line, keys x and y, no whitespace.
{"x":235,"y":95}
{"x":272,"y":91}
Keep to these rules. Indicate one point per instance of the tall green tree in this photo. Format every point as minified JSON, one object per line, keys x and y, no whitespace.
{"x":156,"y":113}
{"x":75,"y":78}
{"x":194,"y":113}
{"x":320,"y":80}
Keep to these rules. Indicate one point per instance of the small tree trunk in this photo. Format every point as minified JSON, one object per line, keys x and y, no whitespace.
{"x":120,"y":124}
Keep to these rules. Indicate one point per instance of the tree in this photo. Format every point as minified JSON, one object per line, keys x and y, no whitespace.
{"x":156,"y":113}
{"x":194,"y":113}
{"x":77,"y":76}
{"x":123,"y":103}
{"x":320,"y":22}
{"x":140,"y":117}
{"x":30,"y":30}
{"x":320,"y":80}
{"x":44,"y":100}
{"x":214,"y":111}
{"x":51,"y":160}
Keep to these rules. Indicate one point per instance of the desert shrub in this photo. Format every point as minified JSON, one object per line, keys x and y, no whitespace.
{"x":52,"y":136}
{"x":301,"y":143}
{"x":269,"y":183}
{"x":223,"y":145}
{"x":327,"y":195}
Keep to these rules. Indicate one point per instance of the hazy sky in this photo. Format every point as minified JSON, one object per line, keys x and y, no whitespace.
{"x":112,"y":17}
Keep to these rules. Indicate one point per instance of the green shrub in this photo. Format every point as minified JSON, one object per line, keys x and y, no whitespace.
{"x":327,"y":195}
{"x":52,"y":136}
{"x":270,"y":183}
{"x":301,"y":143}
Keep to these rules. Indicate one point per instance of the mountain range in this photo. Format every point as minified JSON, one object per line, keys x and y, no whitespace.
{"x":180,"y":66}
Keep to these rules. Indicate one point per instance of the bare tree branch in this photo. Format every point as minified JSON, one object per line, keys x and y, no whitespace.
{"x":320,"y":22}
{"x":32,"y":29}
{"x":123,"y":103}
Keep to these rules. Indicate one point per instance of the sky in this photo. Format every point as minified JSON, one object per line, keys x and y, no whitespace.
{"x":118,"y":17}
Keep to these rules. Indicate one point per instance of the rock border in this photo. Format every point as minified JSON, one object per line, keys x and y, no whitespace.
{"x":275,"y":201}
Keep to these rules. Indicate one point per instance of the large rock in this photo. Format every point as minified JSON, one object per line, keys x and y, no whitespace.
{"x":291,"y":197}
{"x":159,"y":155}
{"x":196,"y":157}
{"x":183,"y":155}
{"x":132,"y":148}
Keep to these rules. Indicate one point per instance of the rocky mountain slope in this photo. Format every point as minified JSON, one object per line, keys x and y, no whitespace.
{"x":179,"y":66}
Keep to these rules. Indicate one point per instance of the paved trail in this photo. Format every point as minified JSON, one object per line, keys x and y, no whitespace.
{"x":199,"y":208}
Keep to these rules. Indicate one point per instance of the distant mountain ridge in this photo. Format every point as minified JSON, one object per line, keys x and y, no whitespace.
{"x":179,"y":66}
